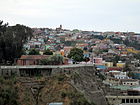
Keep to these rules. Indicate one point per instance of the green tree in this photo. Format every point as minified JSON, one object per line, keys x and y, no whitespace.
{"x":127,"y":68}
{"x":2,"y":40}
{"x":137,"y":56}
{"x":90,"y":50}
{"x":12,"y":39}
{"x":48,"y":52}
{"x":75,"y":30}
{"x":116,"y":59}
{"x":76,"y":54}
{"x":70,"y":43}
{"x":53,"y":60}
{"x":8,"y":96}
{"x":86,"y":59}
{"x":34,"y":52}
{"x":2,"y":27}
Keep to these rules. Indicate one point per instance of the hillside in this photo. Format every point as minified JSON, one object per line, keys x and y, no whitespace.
{"x":75,"y":88}
{"x":53,"y":89}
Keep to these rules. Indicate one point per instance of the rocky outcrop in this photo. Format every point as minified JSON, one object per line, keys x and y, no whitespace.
{"x":84,"y":80}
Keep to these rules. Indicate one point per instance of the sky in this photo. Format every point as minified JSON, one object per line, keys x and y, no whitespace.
{"x":95,"y":15}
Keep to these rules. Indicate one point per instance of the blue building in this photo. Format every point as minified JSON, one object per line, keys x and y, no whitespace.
{"x":136,"y":75}
{"x":101,"y":67}
{"x":57,"y":103}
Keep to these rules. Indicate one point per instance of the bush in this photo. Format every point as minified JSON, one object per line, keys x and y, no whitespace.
{"x":8,"y":93}
{"x":53,"y":60}
{"x":76,"y":97}
{"x":8,"y":96}
{"x":34,"y":52}
{"x":48,"y":52}
{"x":81,"y":101}
{"x":63,"y":94}
{"x":61,"y":77}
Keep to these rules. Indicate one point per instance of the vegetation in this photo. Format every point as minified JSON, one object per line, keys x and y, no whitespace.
{"x":101,"y":76}
{"x":98,"y":37}
{"x":12,"y":39}
{"x":76,"y":97}
{"x":53,"y":60}
{"x":127,"y":68}
{"x":117,"y":40}
{"x":61,"y":77}
{"x":137,"y":56}
{"x":134,"y":44}
{"x":70,"y":43}
{"x":48,"y":52}
{"x":86,"y":59}
{"x":56,"y":89}
{"x":34,"y":52}
{"x":76,"y":54}
{"x":76,"y":31}
{"x":130,"y":74}
{"x":8,"y":92}
{"x":116,"y":59}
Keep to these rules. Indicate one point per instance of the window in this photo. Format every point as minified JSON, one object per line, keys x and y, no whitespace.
{"x":139,"y":101}
{"x":123,"y":100}
{"x":131,"y":100}
{"x":127,"y":100}
{"x":135,"y":101}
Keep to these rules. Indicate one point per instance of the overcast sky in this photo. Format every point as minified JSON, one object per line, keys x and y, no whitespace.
{"x":96,"y":15}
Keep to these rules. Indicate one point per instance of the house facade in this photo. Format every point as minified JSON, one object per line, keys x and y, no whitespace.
{"x":31,"y":59}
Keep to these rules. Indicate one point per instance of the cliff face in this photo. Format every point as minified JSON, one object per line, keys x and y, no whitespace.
{"x":72,"y":86}
{"x":84,"y":80}
{"x":43,"y":91}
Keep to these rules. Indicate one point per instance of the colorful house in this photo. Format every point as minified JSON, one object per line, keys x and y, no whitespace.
{"x":108,"y":64}
{"x":122,"y":65}
{"x":31,"y":59}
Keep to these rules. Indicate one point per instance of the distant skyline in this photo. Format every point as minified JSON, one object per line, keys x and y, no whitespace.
{"x":96,"y":15}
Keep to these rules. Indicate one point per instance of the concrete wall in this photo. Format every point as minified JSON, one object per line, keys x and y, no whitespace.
{"x":44,"y":70}
{"x":123,"y":100}
{"x":9,"y":71}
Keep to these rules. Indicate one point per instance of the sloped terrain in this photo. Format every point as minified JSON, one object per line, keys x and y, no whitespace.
{"x":78,"y":87}
{"x":85,"y":81}
{"x":42,"y":91}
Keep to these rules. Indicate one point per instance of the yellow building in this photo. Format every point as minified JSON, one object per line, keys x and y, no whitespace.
{"x":122,"y":65}
{"x":132,"y":50}
{"x":108,"y":64}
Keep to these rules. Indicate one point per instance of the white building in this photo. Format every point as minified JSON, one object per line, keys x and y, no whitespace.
{"x":130,"y":82}
{"x":121,"y":75}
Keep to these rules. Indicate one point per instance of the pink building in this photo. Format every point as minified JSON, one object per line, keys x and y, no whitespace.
{"x":97,"y":60}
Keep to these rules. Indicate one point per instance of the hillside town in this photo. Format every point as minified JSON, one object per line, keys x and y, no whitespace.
{"x":69,"y":52}
{"x":115,"y":56}
{"x":104,"y":64}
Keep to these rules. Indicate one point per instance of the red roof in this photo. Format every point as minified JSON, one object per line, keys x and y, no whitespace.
{"x":114,"y":68}
{"x":34,"y":56}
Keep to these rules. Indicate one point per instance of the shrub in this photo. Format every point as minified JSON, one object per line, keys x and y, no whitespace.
{"x":61,"y":77}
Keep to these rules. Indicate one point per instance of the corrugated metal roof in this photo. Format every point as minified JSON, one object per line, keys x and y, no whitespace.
{"x":34,"y":56}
